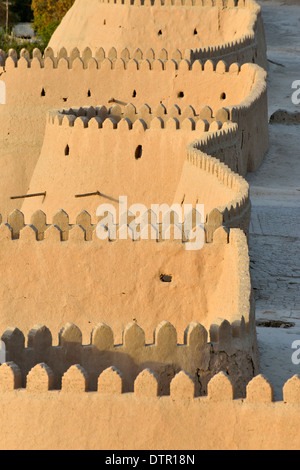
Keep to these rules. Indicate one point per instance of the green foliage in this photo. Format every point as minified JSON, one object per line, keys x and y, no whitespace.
{"x":44,"y":29}
{"x":9,"y":42}
{"x":48,"y":15}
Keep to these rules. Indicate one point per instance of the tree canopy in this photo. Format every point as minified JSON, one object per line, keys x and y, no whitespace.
{"x":47,"y":15}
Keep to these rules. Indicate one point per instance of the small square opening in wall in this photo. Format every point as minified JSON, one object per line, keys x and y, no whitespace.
{"x":165,"y":278}
{"x":180,"y":94}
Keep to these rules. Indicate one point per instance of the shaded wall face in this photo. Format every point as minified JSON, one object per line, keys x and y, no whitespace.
{"x":94,"y":24}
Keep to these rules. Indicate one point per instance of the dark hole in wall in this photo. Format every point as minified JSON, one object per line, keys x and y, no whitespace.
{"x":67,"y":151}
{"x":159,"y":32}
{"x":180,"y":94}
{"x":134,"y":94}
{"x":165,"y":278}
{"x":43,"y":93}
{"x":223,"y":96}
{"x":138,"y":152}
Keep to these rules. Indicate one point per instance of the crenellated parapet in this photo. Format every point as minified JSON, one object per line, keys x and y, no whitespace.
{"x":247,"y":48}
{"x":243,"y":45}
{"x":145,"y":334}
{"x":220,"y":389}
{"x":202,"y":350}
{"x":139,"y":118}
{"x":129,"y":59}
{"x":252,"y":115}
{"x":61,"y":229}
{"x":108,"y":59}
{"x":54,"y":78}
{"x":249,"y":4}
{"x":78,"y":415}
{"x":215,"y":153}
{"x":210,"y":59}
{"x":230,"y":51}
{"x":115,"y":59}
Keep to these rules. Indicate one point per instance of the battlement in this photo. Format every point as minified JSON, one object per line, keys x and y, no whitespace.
{"x":129,"y":59}
{"x":139,"y":323}
{"x":249,"y":4}
{"x":165,"y":356}
{"x":256,"y":95}
{"x":210,"y":59}
{"x":252,"y":114}
{"x":248,"y":81}
{"x":142,"y":118}
{"x":237,"y":26}
{"x":243,"y":49}
{"x":259,"y":390}
{"x":46,"y":88}
{"x":215,"y":154}
{"x":108,"y":59}
{"x":229,"y":51}
{"x":225,"y":77}
{"x":230,"y":322}
{"x":61,"y":230}
{"x":111,"y":418}
{"x":233,"y":214}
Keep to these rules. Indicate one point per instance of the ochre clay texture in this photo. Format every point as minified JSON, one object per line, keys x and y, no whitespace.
{"x":164,"y":103}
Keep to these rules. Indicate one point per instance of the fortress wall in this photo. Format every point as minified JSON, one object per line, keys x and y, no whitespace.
{"x":114,"y":23}
{"x":249,"y":48}
{"x":252,"y":116}
{"x":114,"y":80}
{"x":18,"y":156}
{"x":50,"y":82}
{"x":73,"y":419}
{"x":201,"y":358}
{"x":31,"y":294}
{"x":212,"y":156}
{"x":113,"y":168}
{"x":203,"y":306}
{"x":31,"y":290}
{"x":43,"y":89}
